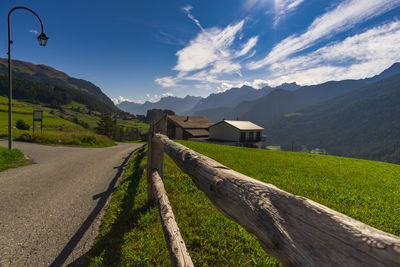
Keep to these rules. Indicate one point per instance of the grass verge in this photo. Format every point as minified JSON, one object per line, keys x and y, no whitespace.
{"x":72,"y":138}
{"x":11,"y":159}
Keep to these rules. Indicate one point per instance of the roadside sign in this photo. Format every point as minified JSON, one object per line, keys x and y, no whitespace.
{"x":37,"y":115}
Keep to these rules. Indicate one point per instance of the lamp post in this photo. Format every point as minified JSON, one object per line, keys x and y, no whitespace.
{"x":42,"y":38}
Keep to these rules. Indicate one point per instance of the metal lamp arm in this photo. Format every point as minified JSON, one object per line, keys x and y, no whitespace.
{"x":21,"y":7}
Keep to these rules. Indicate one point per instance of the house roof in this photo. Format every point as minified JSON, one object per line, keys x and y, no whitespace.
{"x":198,"y":132}
{"x":242,"y":125}
{"x":193,"y":122}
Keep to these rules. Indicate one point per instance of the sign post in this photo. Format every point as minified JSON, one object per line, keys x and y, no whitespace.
{"x":38,"y":116}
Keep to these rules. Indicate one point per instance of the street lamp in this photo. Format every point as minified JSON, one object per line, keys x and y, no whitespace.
{"x":42,"y":38}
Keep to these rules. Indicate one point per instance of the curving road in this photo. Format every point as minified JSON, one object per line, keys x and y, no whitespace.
{"x":49,"y":210}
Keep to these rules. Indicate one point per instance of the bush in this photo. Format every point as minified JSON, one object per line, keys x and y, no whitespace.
{"x":21,"y":125}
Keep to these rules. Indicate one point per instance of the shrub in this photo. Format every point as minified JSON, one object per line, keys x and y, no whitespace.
{"x":22,"y":125}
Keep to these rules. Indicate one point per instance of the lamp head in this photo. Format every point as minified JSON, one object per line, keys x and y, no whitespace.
{"x":42,"y":38}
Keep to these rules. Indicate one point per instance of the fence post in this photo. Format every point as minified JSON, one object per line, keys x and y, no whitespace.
{"x":155,"y":154}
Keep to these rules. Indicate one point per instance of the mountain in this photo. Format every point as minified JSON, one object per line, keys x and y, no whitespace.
{"x":54,"y":96}
{"x":281,"y":101}
{"x":228,"y":99}
{"x":177,"y":104}
{"x":288,"y":86}
{"x":363,"y":123}
{"x":49,"y":75}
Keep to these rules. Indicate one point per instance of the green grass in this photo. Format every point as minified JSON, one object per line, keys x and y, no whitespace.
{"x":72,"y":138}
{"x":10,"y":159}
{"x":131,"y":233}
{"x":368,"y":191}
{"x":56,"y":130}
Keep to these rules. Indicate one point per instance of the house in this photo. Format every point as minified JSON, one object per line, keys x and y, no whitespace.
{"x":187,"y":127}
{"x":241,"y":133}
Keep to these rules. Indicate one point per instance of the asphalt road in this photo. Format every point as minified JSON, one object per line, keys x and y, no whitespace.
{"x":49,"y":210}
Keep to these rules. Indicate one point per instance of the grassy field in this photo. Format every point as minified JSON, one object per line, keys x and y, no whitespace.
{"x":10,"y":159}
{"x":368,"y":191}
{"x":131,"y":233}
{"x":57,"y":125}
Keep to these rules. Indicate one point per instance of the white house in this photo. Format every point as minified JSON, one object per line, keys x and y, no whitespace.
{"x":241,"y":133}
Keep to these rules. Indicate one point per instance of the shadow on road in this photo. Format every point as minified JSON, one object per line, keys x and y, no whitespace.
{"x":126,"y":219}
{"x":67,"y":250}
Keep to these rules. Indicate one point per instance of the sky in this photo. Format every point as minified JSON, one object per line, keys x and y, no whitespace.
{"x":144,"y":50}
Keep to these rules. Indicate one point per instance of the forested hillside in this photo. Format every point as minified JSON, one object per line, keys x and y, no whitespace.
{"x":364,"y":123}
{"x":48,"y":75}
{"x":53,"y":95}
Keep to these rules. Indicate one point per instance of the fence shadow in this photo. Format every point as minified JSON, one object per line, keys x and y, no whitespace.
{"x":67,"y":250}
{"x":126,"y":220}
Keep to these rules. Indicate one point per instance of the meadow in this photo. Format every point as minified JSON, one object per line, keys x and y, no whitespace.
{"x":60,"y":126}
{"x":131,"y":232}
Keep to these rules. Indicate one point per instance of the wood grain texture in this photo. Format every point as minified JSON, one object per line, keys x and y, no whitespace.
{"x":295,"y":230}
{"x":176,"y":246}
{"x":155,"y":153}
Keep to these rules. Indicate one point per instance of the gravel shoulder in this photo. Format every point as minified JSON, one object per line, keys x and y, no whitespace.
{"x":49,"y":209}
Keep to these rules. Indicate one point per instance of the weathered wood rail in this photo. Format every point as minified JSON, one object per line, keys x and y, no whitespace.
{"x":295,"y":230}
{"x":176,"y":246}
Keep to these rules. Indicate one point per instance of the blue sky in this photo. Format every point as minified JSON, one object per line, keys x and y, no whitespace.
{"x":143,"y":50}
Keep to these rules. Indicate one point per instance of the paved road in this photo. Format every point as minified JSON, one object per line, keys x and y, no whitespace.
{"x":49,"y":209}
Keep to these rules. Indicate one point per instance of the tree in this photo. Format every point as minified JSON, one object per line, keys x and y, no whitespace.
{"x":21,"y":125}
{"x":106,"y":126}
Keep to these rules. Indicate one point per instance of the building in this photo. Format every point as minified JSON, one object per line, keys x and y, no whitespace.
{"x":187,"y":127}
{"x":240,"y":133}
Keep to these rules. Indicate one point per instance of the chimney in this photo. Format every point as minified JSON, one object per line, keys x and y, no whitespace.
{"x":187,"y":118}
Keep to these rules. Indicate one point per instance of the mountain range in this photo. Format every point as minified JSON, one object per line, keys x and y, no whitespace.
{"x":177,"y":104}
{"x":259,"y":106}
{"x":364,"y":123}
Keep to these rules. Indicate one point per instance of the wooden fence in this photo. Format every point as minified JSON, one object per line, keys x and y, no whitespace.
{"x":295,"y":230}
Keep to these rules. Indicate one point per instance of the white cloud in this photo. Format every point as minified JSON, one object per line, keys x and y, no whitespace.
{"x":34,"y":31}
{"x":120,"y":99}
{"x":366,"y":54}
{"x":167,"y":81}
{"x":343,"y":17}
{"x":167,"y":94}
{"x":209,"y":55}
{"x":283,"y":7}
{"x":187,"y":9}
{"x":247,"y":46}
{"x":208,"y":47}
{"x":225,"y":67}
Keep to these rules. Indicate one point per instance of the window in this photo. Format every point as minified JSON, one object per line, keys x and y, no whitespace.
{"x":242,"y":137}
{"x":251,"y":136}
{"x":258,"y":136}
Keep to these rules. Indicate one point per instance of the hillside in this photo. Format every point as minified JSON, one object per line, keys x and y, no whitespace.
{"x":48,"y":75}
{"x":52,"y":95}
{"x":228,"y":99}
{"x":176,"y":104}
{"x":363,"y":123}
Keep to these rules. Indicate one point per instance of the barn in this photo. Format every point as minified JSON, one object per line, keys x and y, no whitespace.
{"x":187,"y":127}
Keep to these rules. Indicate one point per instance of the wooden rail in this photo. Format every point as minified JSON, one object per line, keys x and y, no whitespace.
{"x":295,"y":230}
{"x":176,"y":246}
